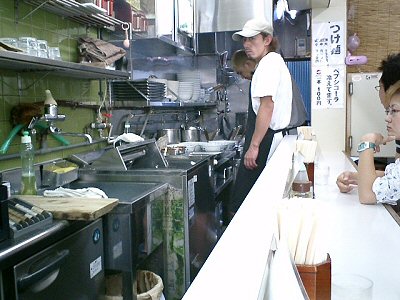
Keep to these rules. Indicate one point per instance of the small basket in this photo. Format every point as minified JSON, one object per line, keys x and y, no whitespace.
{"x":317,"y":279}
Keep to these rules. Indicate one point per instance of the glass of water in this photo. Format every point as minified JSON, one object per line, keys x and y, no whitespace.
{"x":351,"y":287}
{"x":54,"y":53}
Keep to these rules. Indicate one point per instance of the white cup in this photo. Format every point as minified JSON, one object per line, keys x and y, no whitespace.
{"x":351,"y":287}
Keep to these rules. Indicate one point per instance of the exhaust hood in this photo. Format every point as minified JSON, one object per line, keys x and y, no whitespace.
{"x":216,"y":21}
{"x":307,"y":4}
{"x":213,"y":23}
{"x":229,"y":15}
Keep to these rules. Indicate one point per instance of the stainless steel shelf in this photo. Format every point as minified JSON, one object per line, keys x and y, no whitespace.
{"x":26,"y":63}
{"x":163,"y":104}
{"x":75,"y":11}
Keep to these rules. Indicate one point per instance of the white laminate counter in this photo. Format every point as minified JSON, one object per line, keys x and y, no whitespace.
{"x":361,"y":239}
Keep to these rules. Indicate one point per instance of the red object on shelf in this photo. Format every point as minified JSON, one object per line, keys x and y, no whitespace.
{"x":111,"y":12}
{"x":139,"y":21}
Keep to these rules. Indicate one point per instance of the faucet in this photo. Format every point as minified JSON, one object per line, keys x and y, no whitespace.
{"x":50,"y":112}
{"x":50,"y":115}
{"x":53,"y":129}
{"x":47,"y":118}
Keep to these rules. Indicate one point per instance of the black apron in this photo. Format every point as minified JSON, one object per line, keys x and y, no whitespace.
{"x":246,"y":178}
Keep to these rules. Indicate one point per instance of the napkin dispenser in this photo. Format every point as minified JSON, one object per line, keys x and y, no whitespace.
{"x":317,"y":279}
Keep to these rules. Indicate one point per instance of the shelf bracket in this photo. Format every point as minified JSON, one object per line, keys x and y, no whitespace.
{"x":30,"y":13}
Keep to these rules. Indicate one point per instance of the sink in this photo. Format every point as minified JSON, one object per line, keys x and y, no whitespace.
{"x":182,"y":162}
{"x":126,"y":192}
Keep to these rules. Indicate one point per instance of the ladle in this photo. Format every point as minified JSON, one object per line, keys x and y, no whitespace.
{"x":125,"y":27}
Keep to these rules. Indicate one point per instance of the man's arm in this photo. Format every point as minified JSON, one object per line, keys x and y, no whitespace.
{"x":263,"y":121}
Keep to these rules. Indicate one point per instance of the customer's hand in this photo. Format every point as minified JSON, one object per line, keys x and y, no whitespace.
{"x":347,"y":181}
{"x":250,"y":157}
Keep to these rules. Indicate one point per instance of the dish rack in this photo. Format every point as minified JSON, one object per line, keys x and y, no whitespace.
{"x":131,"y":93}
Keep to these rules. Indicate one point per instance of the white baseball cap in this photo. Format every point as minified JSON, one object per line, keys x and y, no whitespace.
{"x":252,"y":28}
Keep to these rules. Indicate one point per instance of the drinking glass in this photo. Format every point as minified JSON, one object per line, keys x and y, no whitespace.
{"x":351,"y":287}
{"x":321,"y":175}
{"x":54,"y":53}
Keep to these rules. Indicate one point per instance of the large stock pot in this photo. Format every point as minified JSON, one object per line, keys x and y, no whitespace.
{"x":191,"y":134}
{"x":173,"y":135}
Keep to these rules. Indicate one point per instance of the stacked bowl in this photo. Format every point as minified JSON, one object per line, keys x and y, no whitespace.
{"x":194,"y":78}
{"x":185,"y":90}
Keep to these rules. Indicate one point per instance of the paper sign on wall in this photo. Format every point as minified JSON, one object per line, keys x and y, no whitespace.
{"x":328,"y":65}
{"x":328,"y":86}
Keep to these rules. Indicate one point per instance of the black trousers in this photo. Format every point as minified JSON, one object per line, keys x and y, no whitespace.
{"x":246,"y":178}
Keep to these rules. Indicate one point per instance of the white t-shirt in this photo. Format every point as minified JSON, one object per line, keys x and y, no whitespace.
{"x":272,"y":78}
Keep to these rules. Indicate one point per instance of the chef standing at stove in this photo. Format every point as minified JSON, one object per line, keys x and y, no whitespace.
{"x":269,"y":108}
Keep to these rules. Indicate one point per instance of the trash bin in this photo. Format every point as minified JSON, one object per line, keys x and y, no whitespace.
{"x":149,"y":285}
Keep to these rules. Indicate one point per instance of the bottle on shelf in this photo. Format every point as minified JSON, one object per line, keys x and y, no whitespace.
{"x":28,"y":179}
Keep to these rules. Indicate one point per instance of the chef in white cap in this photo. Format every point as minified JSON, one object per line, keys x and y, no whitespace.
{"x":270,"y":104}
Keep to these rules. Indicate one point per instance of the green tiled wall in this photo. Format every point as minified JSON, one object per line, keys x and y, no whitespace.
{"x":60,"y":32}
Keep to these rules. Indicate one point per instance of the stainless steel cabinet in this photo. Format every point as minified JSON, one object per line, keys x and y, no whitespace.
{"x":73,"y":268}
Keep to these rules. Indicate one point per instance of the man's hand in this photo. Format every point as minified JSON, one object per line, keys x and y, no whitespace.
{"x":250,"y":157}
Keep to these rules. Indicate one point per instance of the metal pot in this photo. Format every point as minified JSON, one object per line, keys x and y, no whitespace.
{"x":191,"y":134}
{"x":173,"y":135}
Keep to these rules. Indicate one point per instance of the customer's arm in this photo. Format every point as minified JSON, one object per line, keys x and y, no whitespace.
{"x":367,"y":176}
{"x":263,"y":120}
{"x":366,"y":168}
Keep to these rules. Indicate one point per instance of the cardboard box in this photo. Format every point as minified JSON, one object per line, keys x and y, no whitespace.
{"x":317,"y":279}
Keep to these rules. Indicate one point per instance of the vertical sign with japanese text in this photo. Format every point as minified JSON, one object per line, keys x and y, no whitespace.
{"x":328,"y":65}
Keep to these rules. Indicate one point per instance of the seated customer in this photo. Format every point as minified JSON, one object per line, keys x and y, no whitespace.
{"x":390,"y":68}
{"x":379,"y":186}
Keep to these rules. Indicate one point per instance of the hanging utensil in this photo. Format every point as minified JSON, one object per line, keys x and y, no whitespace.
{"x":223,"y":57}
{"x":125,"y":27}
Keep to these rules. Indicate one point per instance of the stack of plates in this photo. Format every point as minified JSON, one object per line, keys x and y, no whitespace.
{"x":137,"y":90}
{"x":194,"y":77}
{"x":160,"y":80}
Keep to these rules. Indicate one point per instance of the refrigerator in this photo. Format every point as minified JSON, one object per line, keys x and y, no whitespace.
{"x":365,"y":113}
